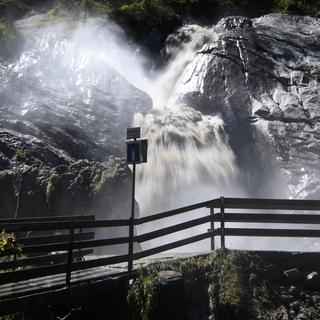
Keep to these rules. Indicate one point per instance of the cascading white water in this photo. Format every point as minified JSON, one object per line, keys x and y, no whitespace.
{"x":189,"y":158}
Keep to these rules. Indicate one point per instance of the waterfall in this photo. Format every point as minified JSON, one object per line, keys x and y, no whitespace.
{"x":189,"y":158}
{"x":84,"y":77}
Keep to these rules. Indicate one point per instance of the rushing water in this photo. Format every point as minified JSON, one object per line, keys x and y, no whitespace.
{"x":74,"y":74}
{"x":189,"y":156}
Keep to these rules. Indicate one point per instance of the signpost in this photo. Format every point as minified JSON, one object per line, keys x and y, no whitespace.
{"x":136,"y":153}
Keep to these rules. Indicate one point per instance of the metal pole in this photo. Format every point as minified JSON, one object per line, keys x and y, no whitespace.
{"x":85,"y":11}
{"x":222,"y":223}
{"x":212,"y":228}
{"x":131,"y":221}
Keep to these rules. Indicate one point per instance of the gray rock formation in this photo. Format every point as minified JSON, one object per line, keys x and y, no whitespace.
{"x":63,"y":113}
{"x":262,"y":76}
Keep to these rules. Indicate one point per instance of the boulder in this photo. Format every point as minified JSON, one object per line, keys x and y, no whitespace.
{"x":171,"y":299}
{"x":313,"y":280}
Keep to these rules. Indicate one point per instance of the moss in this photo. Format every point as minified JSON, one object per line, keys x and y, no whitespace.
{"x":92,"y":179}
{"x":297,"y":6}
{"x":21,"y":154}
{"x":232,"y":291}
{"x":104,"y":10}
{"x":15,"y":316}
{"x":4,"y":28}
{"x":52,"y":188}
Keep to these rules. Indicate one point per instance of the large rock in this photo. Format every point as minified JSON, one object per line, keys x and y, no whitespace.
{"x":262,"y":76}
{"x":63,"y":114}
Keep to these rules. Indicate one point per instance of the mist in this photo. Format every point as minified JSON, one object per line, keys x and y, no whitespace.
{"x":189,"y":157}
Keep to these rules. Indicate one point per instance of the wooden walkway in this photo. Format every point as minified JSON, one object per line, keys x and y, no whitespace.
{"x":41,"y":278}
{"x":17,"y":296}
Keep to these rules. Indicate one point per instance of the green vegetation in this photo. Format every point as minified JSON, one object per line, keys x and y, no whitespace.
{"x":221,"y":285}
{"x":231,"y":288}
{"x":93,"y":179}
{"x":148,"y":22}
{"x":52,"y":188}
{"x":311,"y":7}
{"x":21,"y":155}
{"x":8,"y":241}
{"x":15,"y":316}
{"x":142,"y":295}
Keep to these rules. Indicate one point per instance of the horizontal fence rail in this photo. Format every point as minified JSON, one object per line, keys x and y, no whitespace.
{"x":60,"y":245}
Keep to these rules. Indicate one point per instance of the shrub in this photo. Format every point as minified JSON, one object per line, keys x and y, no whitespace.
{"x":8,"y":241}
{"x":142,"y":295}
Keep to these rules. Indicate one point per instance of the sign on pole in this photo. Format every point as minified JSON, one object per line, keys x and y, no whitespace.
{"x":137,"y":151}
{"x":133,"y":152}
{"x":133,"y":133}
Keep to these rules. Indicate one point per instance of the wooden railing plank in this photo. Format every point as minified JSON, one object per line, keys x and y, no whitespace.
{"x":269,"y":218}
{"x":175,"y":244}
{"x":175,"y":228}
{"x":47,"y":219}
{"x":81,"y":265}
{"x":64,"y":246}
{"x":174,"y":212}
{"x":271,"y":204}
{"x":42,"y":260}
{"x":298,"y":233}
{"x":15,"y":276}
{"x":50,"y":239}
{"x":62,"y":225}
{"x":100,"y":242}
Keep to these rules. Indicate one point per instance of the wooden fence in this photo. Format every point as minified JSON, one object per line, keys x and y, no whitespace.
{"x":74,"y":239}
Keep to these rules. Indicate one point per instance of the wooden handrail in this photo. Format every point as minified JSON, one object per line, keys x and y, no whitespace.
{"x":149,"y":218}
{"x":269,"y":218}
{"x":271,"y":204}
{"x":77,"y":241}
{"x":62,"y":225}
{"x":175,"y":228}
{"x":47,"y":219}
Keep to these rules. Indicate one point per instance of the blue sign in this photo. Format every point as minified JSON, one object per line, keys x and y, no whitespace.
{"x":134,"y":152}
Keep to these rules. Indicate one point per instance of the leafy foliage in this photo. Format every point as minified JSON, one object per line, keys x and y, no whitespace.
{"x":8,"y":241}
{"x":142,"y":295}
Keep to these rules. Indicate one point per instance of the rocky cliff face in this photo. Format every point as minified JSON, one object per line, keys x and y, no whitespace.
{"x":262,"y":76}
{"x":63,"y":116}
{"x":64,"y":110}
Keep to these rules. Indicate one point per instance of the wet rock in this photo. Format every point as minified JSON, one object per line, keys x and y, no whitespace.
{"x":171,"y":300}
{"x":286,"y":299}
{"x":266,"y":91}
{"x":285,"y":317}
{"x":316,"y":299}
{"x":313,"y":280}
{"x":294,"y":291}
{"x":295,"y":306}
{"x":64,"y":121}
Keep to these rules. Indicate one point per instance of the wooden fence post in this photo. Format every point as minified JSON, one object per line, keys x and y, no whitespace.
{"x":70,"y":254}
{"x":212,"y":228}
{"x":222,"y":222}
{"x":131,"y":235}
